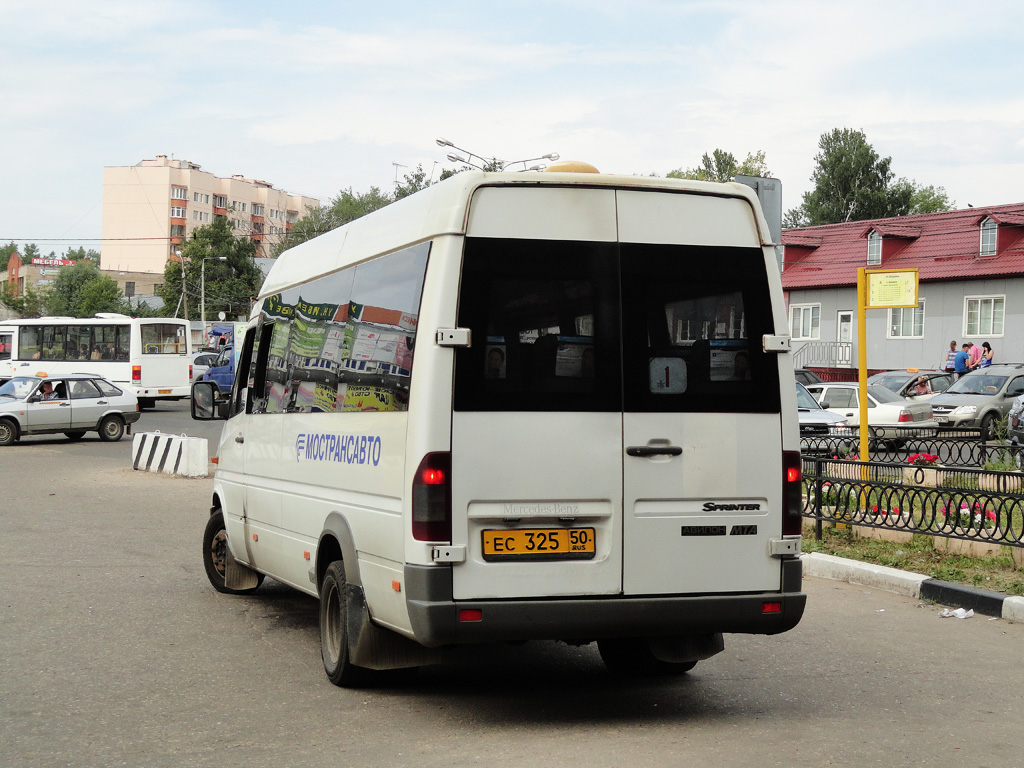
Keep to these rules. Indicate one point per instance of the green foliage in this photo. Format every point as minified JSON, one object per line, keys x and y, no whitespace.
{"x":852,"y":183}
{"x":81,"y":254}
{"x":413,"y":182}
{"x":82,"y":291}
{"x":6,"y":251}
{"x":231,"y":276}
{"x":30,"y":251}
{"x":31,"y":303}
{"x":722,"y":166}
{"x":347,"y":206}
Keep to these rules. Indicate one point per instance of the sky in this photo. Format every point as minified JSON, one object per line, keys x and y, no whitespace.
{"x":321,"y":96}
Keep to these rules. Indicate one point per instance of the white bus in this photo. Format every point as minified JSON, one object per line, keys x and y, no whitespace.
{"x":150,"y":357}
{"x":520,"y":406}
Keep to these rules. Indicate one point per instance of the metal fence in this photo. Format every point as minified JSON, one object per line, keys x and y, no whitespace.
{"x":952,"y":502}
{"x":963,"y":447}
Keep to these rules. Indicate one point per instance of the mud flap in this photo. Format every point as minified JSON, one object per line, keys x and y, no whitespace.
{"x":374,"y":647}
{"x":682,"y":648}
{"x":236,"y":575}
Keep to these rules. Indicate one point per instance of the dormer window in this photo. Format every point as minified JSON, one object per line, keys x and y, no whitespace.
{"x":988,"y":236}
{"x":874,"y":248}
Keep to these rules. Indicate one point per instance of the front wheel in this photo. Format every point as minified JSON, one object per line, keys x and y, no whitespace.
{"x":632,"y":656}
{"x":215,"y":556}
{"x":334,"y":631}
{"x":8,"y":432}
{"x":988,"y":427}
{"x":111,"y":429}
{"x":76,"y":435}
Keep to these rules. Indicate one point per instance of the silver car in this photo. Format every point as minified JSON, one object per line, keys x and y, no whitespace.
{"x":980,"y":398}
{"x":72,"y":404}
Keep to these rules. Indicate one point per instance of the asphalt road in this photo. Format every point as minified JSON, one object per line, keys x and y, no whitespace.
{"x":116,"y":651}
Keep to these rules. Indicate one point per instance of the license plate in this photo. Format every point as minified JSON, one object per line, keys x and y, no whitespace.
{"x":163,"y":391}
{"x":942,"y":419}
{"x":540,"y":544}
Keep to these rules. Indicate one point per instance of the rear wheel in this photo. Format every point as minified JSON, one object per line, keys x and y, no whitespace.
{"x":74,"y":435}
{"x":632,"y":656}
{"x":8,"y":432}
{"x":334,"y":631}
{"x":215,"y":556}
{"x":111,"y":429}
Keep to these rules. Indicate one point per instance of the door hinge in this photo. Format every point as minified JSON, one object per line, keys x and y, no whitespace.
{"x":777,"y":343}
{"x":449,"y":554}
{"x":453,"y":337}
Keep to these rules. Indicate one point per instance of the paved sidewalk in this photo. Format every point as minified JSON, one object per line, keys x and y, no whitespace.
{"x":914,"y":585}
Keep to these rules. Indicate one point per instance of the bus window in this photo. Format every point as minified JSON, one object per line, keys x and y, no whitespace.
{"x":163,"y":339}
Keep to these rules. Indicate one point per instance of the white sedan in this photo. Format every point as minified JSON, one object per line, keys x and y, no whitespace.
{"x":888,"y":413}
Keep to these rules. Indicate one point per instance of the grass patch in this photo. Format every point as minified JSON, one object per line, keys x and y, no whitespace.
{"x":919,"y":555}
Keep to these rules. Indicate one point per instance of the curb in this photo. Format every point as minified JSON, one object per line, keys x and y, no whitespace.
{"x":915,"y":585}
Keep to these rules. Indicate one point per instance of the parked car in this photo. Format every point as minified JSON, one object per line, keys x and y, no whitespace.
{"x":903,"y":382}
{"x":201,"y":361}
{"x":80,"y":403}
{"x":815,"y":421}
{"x":221,"y":371}
{"x":980,"y":398}
{"x":887,"y":411}
{"x":806,"y":377}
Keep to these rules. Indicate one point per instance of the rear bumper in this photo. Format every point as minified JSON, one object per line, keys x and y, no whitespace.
{"x":435,"y":615}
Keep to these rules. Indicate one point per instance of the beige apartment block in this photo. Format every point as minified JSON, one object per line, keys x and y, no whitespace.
{"x":151,"y":208}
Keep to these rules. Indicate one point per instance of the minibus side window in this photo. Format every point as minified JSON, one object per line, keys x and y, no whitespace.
{"x":345,"y":341}
{"x":693,"y":319}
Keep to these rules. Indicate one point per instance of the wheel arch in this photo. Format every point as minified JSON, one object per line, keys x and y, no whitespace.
{"x":337,"y":543}
{"x":14,"y":424}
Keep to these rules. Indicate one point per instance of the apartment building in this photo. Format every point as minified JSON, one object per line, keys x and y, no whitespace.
{"x":150,"y":208}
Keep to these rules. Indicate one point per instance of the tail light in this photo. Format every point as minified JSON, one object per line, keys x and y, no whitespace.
{"x":190,"y":373}
{"x":136,"y":373}
{"x":432,"y":498}
{"x":906,"y":416}
{"x":792,"y":477}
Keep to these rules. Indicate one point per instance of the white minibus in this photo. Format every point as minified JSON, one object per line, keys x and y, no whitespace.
{"x":149,"y":357}
{"x":514,"y":407}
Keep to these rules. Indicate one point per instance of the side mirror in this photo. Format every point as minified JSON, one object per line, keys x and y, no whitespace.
{"x":204,"y":402}
{"x":36,"y":398}
{"x":824,"y":405}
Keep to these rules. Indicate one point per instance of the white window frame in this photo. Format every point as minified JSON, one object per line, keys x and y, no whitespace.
{"x":917,"y":320}
{"x":989,"y":236}
{"x":992,"y":330}
{"x":797,"y":329}
{"x":178,"y":212}
{"x":874,"y":248}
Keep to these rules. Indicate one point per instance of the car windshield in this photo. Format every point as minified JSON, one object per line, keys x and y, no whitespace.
{"x":977,"y":384}
{"x":19,"y":386}
{"x":892,"y":381}
{"x":804,"y":399}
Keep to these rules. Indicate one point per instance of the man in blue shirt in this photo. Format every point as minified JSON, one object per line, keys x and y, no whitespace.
{"x":960,"y":363}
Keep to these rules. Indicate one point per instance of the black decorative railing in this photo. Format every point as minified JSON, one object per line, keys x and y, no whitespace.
{"x":954,"y":447}
{"x":952,"y":502}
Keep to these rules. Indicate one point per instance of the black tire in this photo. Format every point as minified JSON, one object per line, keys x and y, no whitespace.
{"x":8,"y":432}
{"x":334,"y":631}
{"x":111,"y":428}
{"x":74,"y":435}
{"x":215,"y":545}
{"x":988,"y":428}
{"x":146,"y":402}
{"x":632,"y":656}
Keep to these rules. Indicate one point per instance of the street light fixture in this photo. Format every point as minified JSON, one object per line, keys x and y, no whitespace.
{"x":457,"y":158}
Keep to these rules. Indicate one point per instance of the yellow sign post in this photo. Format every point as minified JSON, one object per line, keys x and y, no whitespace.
{"x":877,"y":289}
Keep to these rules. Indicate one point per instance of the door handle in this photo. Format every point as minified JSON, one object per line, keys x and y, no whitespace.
{"x":65,"y":404}
{"x":239,"y":439}
{"x":653,"y":450}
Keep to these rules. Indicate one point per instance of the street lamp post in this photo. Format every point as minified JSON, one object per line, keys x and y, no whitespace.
{"x":202,"y":288}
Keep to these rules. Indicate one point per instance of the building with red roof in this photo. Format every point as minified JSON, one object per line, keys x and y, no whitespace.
{"x":971,"y":271}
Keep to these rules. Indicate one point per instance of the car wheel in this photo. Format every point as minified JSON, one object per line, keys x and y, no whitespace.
{"x":632,"y":656}
{"x":215,"y":555}
{"x":111,"y":429}
{"x":988,"y":427}
{"x":8,"y":432}
{"x":76,"y":435}
{"x":334,"y":631}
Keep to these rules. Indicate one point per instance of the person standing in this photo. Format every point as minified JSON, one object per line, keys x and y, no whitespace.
{"x":950,"y":366}
{"x":961,"y":363}
{"x":975,"y":352}
{"x":987,"y":355}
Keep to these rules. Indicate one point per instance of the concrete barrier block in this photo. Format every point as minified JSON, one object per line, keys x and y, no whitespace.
{"x":170,"y":454}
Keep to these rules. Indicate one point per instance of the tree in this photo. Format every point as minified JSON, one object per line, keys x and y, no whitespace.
{"x":30,"y":252}
{"x":82,"y":291}
{"x":930,"y":199}
{"x":413,"y":182}
{"x":31,"y":303}
{"x":722,"y":166}
{"x":347,"y":206}
{"x":852,"y":183}
{"x":81,"y":254}
{"x":231,"y":277}
{"x":6,"y":251}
